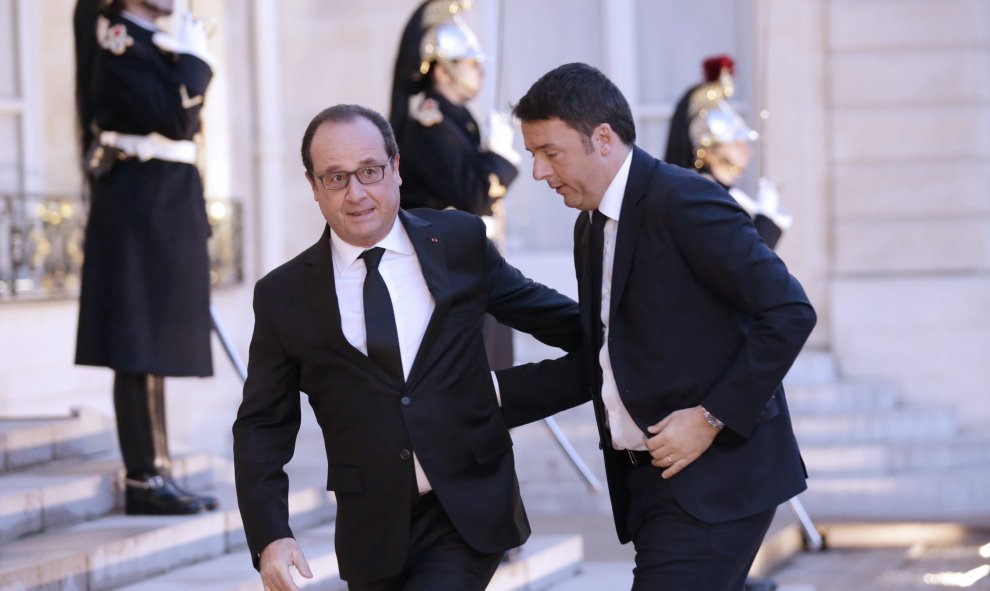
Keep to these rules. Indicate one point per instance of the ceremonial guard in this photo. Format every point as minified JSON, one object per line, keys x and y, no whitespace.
{"x":708,"y":135}
{"x":445,"y":161}
{"x":145,"y":294}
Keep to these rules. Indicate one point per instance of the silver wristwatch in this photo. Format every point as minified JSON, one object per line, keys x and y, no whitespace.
{"x":713,"y":420}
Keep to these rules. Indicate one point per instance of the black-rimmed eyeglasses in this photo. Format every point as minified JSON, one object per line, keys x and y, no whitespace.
{"x":366,"y":175}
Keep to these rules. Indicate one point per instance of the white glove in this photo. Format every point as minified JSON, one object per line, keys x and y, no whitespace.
{"x":768,"y":203}
{"x":190,"y":38}
{"x":500,"y":137}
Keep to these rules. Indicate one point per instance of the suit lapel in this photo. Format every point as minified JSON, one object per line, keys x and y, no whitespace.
{"x":630,"y":218}
{"x":429,"y":249}
{"x":322,"y":294}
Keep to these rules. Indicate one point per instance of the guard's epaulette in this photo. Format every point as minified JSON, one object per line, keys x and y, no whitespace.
{"x":113,"y":38}
{"x":427,"y":112}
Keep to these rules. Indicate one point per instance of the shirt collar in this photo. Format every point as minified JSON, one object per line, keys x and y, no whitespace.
{"x":611,"y":203}
{"x":144,"y":24}
{"x":344,"y":254}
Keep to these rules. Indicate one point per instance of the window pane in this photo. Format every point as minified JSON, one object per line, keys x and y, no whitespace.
{"x":8,"y":50}
{"x":10,"y":156}
{"x":675,"y":36}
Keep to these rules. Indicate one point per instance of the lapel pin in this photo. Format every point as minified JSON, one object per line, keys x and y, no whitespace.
{"x":434,"y":239}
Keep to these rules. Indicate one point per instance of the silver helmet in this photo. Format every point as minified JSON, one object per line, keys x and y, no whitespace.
{"x":446,"y":37}
{"x":712,"y":120}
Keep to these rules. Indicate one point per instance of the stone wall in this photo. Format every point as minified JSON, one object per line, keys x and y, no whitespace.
{"x":909,"y":207}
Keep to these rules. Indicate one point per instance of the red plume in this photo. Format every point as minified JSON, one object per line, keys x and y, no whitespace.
{"x":713,"y":66}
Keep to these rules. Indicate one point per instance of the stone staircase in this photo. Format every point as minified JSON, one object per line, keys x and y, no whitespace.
{"x":873,"y":458}
{"x":62,"y":529}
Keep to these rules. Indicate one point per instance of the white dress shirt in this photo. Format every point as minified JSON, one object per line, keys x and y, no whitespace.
{"x":412,"y":302}
{"x":625,"y":433}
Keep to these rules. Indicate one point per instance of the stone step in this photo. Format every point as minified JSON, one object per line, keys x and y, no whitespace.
{"x":64,"y":492}
{"x":116,"y":550}
{"x":906,"y":456}
{"x":933,"y":495}
{"x":841,"y":397}
{"x":234,"y":572}
{"x":897,"y":425}
{"x":598,"y":576}
{"x":892,"y":557}
{"x":542,"y":561}
{"x":30,"y":441}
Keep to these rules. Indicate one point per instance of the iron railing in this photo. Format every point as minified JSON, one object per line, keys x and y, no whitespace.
{"x":41,"y":245}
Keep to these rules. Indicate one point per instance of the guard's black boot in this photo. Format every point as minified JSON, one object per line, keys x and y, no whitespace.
{"x":149,"y":488}
{"x":209,"y":503}
{"x":154,"y":495}
{"x":163,"y":460}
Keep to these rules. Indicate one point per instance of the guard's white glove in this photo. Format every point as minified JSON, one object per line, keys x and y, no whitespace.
{"x":190,"y":38}
{"x":500,"y":137}
{"x":768,"y":203}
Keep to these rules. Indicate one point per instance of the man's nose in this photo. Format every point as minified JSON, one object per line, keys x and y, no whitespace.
{"x":540,"y":170}
{"x":355,"y":189}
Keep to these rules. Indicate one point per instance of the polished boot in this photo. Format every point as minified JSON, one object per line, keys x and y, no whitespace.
{"x":163,"y":460}
{"x":147,"y":492}
{"x":154,"y":495}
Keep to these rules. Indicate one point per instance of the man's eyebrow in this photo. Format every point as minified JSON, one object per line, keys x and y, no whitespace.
{"x":338,"y":167}
{"x":542,"y":147}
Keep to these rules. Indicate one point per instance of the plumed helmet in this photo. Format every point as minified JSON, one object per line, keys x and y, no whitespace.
{"x":446,"y":37}
{"x":712,"y":120}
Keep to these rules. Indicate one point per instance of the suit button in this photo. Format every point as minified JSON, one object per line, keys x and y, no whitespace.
{"x":405,"y":454}
{"x":405,"y":401}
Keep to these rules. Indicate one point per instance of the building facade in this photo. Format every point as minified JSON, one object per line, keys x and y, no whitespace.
{"x":878,"y":137}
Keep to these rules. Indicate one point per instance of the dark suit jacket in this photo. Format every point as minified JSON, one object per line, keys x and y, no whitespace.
{"x":702,"y":312}
{"x":446,"y":412}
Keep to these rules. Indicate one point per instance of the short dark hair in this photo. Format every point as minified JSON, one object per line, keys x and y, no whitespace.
{"x":342,"y":114}
{"x":580,"y":96}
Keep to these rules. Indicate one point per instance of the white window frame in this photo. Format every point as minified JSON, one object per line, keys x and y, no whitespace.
{"x":19,"y":106}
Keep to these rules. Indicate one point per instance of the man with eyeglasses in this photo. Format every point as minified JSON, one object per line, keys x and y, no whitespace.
{"x":379,"y":323}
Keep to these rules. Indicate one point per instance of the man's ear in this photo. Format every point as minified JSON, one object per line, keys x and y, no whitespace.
{"x":312,"y":183}
{"x":395,"y":169}
{"x":605,"y":138}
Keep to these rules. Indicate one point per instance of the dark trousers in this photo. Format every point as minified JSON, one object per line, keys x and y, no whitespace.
{"x":439,"y":559}
{"x":677,"y":552}
{"x":139,"y":404}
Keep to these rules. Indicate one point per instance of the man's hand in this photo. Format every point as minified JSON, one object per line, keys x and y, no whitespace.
{"x":679,"y":439}
{"x":275,"y":561}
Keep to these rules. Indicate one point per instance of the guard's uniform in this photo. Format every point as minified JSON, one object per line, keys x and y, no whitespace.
{"x":144,"y":301}
{"x":443,"y":164}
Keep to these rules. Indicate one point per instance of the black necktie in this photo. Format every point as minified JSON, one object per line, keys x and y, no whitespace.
{"x":379,"y":319}
{"x":596,"y":252}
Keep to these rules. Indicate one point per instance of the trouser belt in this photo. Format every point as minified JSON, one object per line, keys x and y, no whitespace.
{"x":632,"y":456}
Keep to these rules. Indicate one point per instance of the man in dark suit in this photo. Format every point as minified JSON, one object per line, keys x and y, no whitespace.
{"x":692,"y":322}
{"x":379,"y":323}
